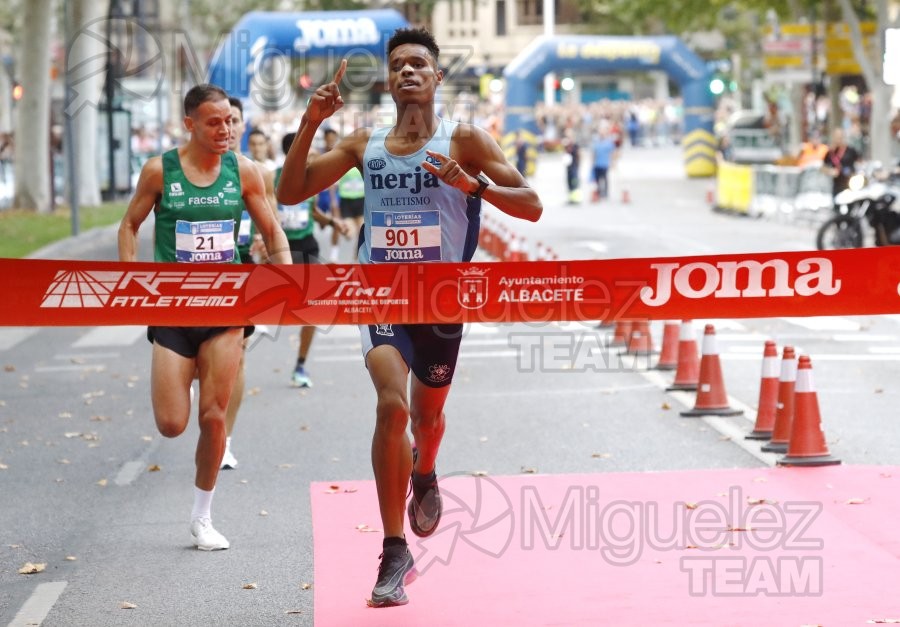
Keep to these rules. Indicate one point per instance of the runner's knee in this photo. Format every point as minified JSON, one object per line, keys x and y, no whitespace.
{"x":392,"y":411}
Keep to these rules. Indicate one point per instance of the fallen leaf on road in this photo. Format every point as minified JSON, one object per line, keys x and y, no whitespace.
{"x":690,"y":506}
{"x":154,"y":468}
{"x":479,"y":473}
{"x":601,"y":455}
{"x":99,"y":418}
{"x":9,"y":368}
{"x":751,"y":501}
{"x":250,"y":586}
{"x":102,"y":483}
{"x":367,"y":529}
{"x":529,"y":471}
{"x":128,"y":606}
{"x":857,"y":501}
{"x":30,"y":569}
{"x":305,"y":586}
{"x":666,"y":406}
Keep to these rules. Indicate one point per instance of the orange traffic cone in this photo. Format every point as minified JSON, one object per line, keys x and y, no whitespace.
{"x":639,"y":340}
{"x":784,"y":409}
{"x":712,"y":400}
{"x":503,"y":244}
{"x":523,"y":249}
{"x":668,"y":356}
{"x":768,"y":395}
{"x":807,"y":447}
{"x":621,"y":334}
{"x":486,"y":234}
{"x":688,"y":372}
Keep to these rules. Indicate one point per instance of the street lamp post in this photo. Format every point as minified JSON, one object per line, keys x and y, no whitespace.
{"x":549,"y":27}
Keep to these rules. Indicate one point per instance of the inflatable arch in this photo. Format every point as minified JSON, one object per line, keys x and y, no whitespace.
{"x":260,"y":39}
{"x":585,"y":54}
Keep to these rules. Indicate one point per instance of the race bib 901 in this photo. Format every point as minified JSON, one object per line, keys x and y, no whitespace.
{"x":211,"y":241}
{"x":403,"y":236}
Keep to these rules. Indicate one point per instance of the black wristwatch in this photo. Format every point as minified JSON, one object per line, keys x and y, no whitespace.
{"x":482,"y":185}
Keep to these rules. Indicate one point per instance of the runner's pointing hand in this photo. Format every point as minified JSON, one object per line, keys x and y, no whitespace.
{"x":327,"y":99}
{"x":450,"y":172}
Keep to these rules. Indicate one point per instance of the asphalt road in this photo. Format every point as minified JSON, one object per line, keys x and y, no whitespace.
{"x":90,"y":489}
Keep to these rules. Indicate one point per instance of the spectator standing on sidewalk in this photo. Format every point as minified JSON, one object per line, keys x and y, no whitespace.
{"x":605,"y":153}
{"x":839,"y":162}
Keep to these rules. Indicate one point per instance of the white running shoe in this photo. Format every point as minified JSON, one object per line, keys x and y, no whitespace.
{"x":206,"y":537}
{"x":228,"y":460}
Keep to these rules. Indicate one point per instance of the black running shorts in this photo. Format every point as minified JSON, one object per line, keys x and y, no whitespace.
{"x":430,"y":350}
{"x":186,"y":341}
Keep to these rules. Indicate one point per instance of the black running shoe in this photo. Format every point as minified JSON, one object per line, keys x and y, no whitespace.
{"x":396,"y":570}
{"x":425,"y":507}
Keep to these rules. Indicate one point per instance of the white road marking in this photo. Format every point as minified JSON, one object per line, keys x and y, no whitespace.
{"x":885,"y":350}
{"x":76,"y":356}
{"x":595,"y":246}
{"x":723,"y":425}
{"x":72,"y":368}
{"x":11,"y":336}
{"x":111,"y":336}
{"x":131,"y":470}
{"x":824,"y":323}
{"x":719,"y":323}
{"x":863,"y":337}
{"x":39,"y":604}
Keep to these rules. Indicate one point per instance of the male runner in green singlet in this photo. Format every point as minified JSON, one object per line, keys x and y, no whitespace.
{"x":193,"y":190}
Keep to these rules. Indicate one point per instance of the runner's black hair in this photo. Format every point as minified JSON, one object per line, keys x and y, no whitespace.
{"x":199,"y":94}
{"x":414,"y":36}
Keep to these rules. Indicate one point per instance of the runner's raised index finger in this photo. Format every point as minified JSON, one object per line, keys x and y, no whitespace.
{"x":442,"y":158}
{"x":340,"y":73}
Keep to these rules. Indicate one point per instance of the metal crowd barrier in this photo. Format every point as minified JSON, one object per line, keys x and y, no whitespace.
{"x":772,"y":191}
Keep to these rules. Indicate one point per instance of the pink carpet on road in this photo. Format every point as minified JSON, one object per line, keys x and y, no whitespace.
{"x":773,"y":546}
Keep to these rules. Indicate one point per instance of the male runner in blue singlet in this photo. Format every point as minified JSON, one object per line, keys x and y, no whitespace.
{"x":424,"y":178}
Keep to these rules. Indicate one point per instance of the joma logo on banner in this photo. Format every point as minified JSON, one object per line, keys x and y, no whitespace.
{"x":813,"y":276}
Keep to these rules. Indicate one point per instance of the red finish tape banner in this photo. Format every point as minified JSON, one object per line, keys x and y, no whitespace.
{"x":88,"y":293}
